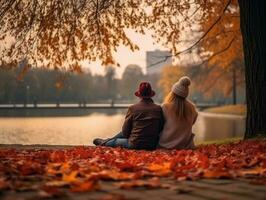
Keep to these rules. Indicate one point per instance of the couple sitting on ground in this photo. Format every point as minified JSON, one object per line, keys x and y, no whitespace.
{"x":149,"y":126}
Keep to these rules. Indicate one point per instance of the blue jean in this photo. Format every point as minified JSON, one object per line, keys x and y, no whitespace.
{"x":118,"y":141}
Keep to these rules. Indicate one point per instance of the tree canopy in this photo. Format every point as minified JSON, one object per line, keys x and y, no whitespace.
{"x":60,"y":33}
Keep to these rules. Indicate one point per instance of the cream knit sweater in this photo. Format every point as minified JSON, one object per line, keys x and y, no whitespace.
{"x":177,"y":134}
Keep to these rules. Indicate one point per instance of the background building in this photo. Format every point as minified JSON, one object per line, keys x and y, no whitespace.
{"x":155,"y":61}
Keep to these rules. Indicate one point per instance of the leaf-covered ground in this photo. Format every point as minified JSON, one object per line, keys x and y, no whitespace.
{"x":82,"y":169}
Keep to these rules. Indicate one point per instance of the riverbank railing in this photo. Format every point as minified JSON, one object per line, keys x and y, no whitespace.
{"x":111,"y":105}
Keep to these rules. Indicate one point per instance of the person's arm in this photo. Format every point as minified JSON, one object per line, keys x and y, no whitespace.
{"x":127,"y":126}
{"x":196,"y":116}
{"x":162,"y":118}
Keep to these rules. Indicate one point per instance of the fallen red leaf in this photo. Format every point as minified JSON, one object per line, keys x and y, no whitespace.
{"x":80,"y":168}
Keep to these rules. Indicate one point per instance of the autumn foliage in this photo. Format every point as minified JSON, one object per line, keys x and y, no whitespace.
{"x":63,"y":33}
{"x":80,"y":169}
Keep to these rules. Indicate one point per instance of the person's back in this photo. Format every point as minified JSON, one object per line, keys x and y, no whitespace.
{"x":179,"y":115}
{"x":142,"y":126}
{"x":177,"y":132}
{"x":146,"y":121}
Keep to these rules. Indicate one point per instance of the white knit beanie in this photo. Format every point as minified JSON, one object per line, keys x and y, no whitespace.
{"x":180,"y":88}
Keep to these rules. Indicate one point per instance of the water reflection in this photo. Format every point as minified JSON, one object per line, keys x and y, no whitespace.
{"x":58,"y":112}
{"x":59,"y":130}
{"x":80,"y":130}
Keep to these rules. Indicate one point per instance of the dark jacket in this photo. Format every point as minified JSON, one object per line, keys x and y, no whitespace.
{"x":143,"y":124}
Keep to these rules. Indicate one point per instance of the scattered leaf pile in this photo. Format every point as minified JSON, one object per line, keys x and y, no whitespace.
{"x":80,"y":169}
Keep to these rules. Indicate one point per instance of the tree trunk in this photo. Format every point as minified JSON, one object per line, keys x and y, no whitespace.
{"x":234,"y":85}
{"x":253,"y":28}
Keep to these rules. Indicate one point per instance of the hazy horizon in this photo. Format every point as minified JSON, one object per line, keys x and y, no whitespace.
{"x":124,"y":56}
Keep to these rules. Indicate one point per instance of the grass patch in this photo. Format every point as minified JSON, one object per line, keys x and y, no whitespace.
{"x":223,"y":141}
{"x":239,"y":109}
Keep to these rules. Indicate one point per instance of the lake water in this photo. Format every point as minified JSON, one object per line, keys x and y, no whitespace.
{"x":80,"y":130}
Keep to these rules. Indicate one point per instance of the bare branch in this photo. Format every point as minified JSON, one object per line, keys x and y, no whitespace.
{"x":206,"y":33}
{"x":199,"y":40}
{"x":4,"y":9}
{"x":160,"y":61}
{"x":218,"y":52}
{"x":214,"y":81}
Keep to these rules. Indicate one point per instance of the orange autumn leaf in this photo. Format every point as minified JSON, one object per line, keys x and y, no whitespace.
{"x":251,"y":172}
{"x":112,"y":175}
{"x":161,"y":169}
{"x":150,"y":184}
{"x":81,"y":168}
{"x":65,"y":166}
{"x":71,"y":177}
{"x":85,"y":186}
{"x":57,"y":183}
{"x":216,"y":173}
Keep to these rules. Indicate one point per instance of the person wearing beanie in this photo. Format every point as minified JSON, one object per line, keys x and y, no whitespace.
{"x":142,"y":126}
{"x":179,"y":115}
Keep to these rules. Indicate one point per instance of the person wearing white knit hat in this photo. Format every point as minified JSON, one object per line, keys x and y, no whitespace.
{"x":181,"y":88}
{"x":180,"y":115}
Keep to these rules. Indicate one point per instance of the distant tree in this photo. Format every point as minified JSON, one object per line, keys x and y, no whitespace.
{"x":154,"y":79}
{"x":7,"y":86}
{"x":111,"y":82}
{"x":32,"y":85}
{"x":169,"y":76}
{"x":41,"y":85}
{"x":131,"y":78}
{"x":209,"y":79}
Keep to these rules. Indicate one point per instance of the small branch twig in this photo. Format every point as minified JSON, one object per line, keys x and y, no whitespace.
{"x":199,"y":40}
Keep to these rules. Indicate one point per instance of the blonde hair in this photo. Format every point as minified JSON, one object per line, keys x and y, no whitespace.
{"x":181,"y":108}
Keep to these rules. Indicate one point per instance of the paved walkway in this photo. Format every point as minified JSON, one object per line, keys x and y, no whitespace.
{"x":185,"y":190}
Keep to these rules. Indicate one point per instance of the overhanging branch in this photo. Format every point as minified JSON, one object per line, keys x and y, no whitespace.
{"x":199,"y":40}
{"x":218,"y":52}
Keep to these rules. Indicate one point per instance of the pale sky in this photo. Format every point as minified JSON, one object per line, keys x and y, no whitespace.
{"x":124,"y":56}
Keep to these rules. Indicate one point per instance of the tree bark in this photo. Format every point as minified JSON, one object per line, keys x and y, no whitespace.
{"x":253,"y":28}
{"x":234,"y":86}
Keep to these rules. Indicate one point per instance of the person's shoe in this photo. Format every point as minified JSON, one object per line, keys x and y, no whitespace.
{"x":98,"y":141}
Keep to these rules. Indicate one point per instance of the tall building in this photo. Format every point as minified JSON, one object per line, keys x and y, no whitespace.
{"x":156,"y":60}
